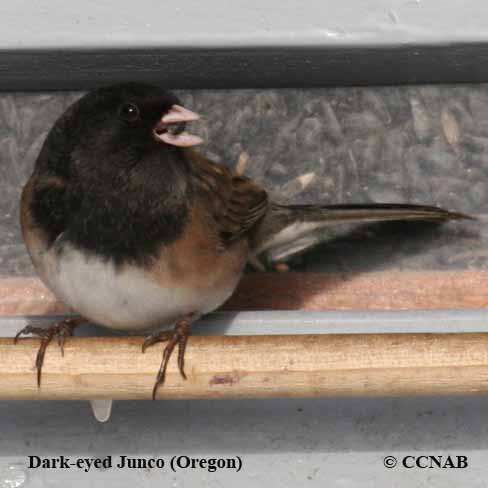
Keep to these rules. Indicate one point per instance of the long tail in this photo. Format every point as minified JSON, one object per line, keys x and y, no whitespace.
{"x":285,"y":224}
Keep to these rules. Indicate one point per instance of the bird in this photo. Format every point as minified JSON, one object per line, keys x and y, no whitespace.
{"x":134,"y":229}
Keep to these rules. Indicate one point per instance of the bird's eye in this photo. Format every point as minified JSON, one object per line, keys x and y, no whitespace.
{"x":129,"y":112}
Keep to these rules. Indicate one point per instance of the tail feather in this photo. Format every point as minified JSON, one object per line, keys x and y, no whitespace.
{"x":284,"y":224}
{"x":371,"y":212}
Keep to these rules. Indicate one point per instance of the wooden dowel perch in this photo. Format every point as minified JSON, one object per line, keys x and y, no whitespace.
{"x":252,"y":366}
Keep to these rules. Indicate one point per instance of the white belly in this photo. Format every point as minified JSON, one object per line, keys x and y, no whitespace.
{"x":124,"y":298}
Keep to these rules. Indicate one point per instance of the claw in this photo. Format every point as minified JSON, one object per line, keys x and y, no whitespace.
{"x":61,"y":344}
{"x":28,"y":329}
{"x":40,"y":358}
{"x":177,"y":336}
{"x":60,"y":330}
{"x":154,"y":338}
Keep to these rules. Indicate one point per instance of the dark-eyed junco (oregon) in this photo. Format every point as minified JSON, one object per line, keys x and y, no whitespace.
{"x":135,"y":231}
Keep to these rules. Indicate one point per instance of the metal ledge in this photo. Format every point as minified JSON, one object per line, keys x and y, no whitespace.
{"x":54,"y":45}
{"x":277,"y":322}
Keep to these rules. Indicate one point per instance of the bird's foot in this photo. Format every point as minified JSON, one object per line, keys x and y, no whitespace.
{"x":177,"y":336}
{"x":61,"y":330}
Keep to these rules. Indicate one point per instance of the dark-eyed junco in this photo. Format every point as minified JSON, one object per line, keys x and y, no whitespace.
{"x":135,"y":231}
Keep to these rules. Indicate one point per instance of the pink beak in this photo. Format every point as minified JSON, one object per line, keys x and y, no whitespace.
{"x":176,"y":115}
